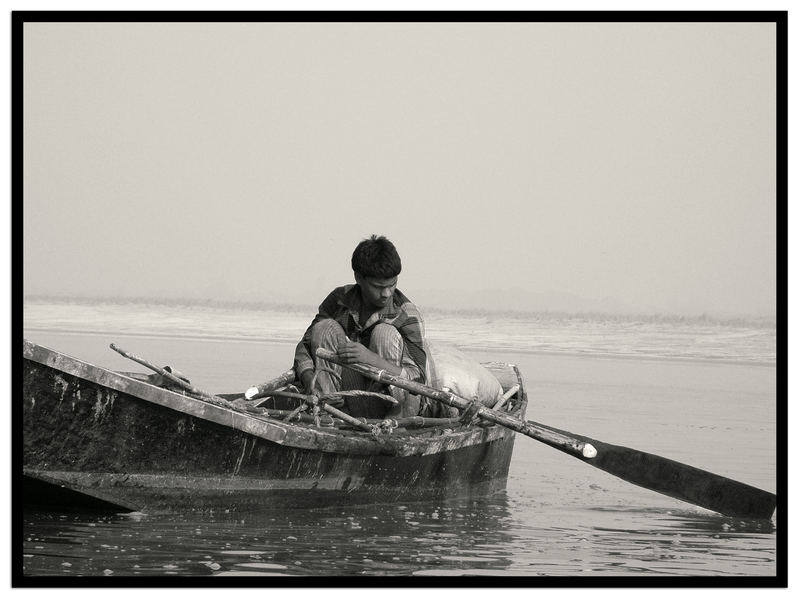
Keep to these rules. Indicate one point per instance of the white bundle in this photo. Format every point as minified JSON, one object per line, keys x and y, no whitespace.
{"x":449,"y":367}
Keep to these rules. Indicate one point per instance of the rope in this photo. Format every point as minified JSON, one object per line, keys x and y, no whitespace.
{"x":296,"y":412}
{"x":313,"y":383}
{"x":387,"y":426}
{"x":326,"y":402}
{"x":337,"y":377}
{"x":355,"y":393}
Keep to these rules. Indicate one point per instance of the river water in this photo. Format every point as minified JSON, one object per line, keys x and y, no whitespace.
{"x":700,"y":392}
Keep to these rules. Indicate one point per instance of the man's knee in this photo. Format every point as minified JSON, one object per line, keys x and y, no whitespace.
{"x":387,"y":342}
{"x":327,"y":333}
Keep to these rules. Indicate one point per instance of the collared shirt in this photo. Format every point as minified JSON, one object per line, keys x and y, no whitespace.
{"x":344,"y":305}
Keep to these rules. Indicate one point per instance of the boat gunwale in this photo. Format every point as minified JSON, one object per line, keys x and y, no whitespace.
{"x":298,"y":435}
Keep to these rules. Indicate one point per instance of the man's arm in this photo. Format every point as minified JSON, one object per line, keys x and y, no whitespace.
{"x":413,"y":363}
{"x":415,"y":359}
{"x":355,"y":352}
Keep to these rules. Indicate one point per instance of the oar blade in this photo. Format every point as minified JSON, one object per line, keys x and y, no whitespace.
{"x":683,"y":482}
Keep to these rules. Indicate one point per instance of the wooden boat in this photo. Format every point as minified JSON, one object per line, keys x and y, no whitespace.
{"x":96,"y":436}
{"x":123,"y":440}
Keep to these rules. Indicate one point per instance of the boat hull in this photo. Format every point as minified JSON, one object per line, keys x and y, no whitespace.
{"x":135,"y":446}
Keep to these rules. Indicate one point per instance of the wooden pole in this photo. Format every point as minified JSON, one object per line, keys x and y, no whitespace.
{"x":415,"y":422}
{"x":557,"y":440}
{"x":166,"y":374}
{"x":335,"y":412}
{"x":281,"y":380}
{"x":500,"y":403}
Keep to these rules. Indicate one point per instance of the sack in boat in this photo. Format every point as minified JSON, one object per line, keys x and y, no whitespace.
{"x":448,"y":367}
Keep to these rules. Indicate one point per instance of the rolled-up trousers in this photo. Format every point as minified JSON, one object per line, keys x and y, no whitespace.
{"x":386,"y":342}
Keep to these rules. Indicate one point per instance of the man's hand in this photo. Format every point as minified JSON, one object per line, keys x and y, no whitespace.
{"x":354,"y":352}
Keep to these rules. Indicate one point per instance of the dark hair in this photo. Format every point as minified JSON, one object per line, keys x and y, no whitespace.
{"x":376,"y":257}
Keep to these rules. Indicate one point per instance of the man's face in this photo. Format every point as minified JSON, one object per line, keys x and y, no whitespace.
{"x":376,"y":293}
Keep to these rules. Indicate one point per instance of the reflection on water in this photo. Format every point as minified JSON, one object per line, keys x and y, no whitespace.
{"x":364,"y":540}
{"x":686,"y":543}
{"x":487,"y":536}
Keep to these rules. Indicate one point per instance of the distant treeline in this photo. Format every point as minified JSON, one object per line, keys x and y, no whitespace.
{"x":757,"y":321}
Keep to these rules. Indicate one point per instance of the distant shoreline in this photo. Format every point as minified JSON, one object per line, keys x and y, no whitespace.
{"x":753,"y":321}
{"x":591,"y":354}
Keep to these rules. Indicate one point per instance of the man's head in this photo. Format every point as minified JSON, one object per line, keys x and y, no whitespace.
{"x":376,"y":266}
{"x":376,"y":257}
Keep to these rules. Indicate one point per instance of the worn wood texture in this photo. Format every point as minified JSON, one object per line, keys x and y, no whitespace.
{"x":127,"y":442}
{"x":263,"y":389}
{"x":167,"y":374}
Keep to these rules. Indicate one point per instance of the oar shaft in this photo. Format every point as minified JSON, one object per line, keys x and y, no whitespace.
{"x":552,"y":438}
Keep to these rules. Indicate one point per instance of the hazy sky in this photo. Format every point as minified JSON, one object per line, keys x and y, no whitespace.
{"x":245,"y":161}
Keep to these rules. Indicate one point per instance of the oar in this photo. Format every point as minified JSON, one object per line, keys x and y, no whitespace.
{"x":663,"y":475}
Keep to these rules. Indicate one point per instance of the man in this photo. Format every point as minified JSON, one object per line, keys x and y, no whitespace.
{"x":373,"y":323}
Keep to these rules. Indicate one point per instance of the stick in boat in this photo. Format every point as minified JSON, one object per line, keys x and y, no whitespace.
{"x":177,"y":380}
{"x":327,"y":408}
{"x":512,"y":390}
{"x":257,"y":391}
{"x":335,"y":412}
{"x":557,"y":440}
{"x":410,"y":422}
{"x":274,"y":387}
{"x":650,"y":471}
